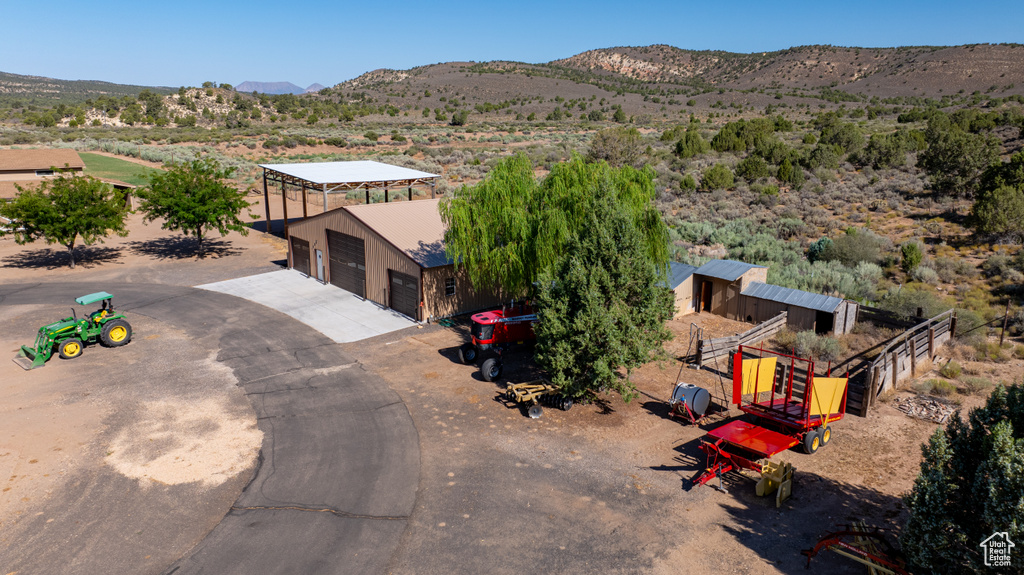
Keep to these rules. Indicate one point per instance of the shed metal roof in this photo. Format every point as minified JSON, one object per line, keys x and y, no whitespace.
{"x":413,"y":227}
{"x":795,"y":297}
{"x":678,"y":273}
{"x":728,"y":270}
{"x":349,"y":175}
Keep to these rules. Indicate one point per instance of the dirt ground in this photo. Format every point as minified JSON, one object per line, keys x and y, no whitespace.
{"x":860,"y":476}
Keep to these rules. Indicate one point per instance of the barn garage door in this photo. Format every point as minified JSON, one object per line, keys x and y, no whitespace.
{"x":300,"y":255}
{"x":347,"y":256}
{"x":405,"y":293}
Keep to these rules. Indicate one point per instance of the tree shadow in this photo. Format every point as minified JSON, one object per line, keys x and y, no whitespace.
{"x":50,"y":258}
{"x":182,"y":247}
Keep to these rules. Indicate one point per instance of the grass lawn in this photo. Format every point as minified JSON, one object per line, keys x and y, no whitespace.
{"x":99,"y":166}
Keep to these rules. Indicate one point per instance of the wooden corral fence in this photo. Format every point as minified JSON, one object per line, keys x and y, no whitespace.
{"x":899,"y":360}
{"x":883,"y":318}
{"x":709,"y":349}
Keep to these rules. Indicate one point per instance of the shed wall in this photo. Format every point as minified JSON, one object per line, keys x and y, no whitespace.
{"x":380,"y":255}
{"x":685,"y":297}
{"x":436,"y":304}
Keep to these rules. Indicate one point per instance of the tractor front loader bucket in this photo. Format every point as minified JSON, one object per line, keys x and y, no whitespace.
{"x":30,"y":358}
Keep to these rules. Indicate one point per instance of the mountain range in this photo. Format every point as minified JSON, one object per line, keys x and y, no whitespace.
{"x":275,"y":88}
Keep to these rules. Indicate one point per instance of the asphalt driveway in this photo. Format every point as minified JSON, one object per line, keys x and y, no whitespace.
{"x":332,"y":490}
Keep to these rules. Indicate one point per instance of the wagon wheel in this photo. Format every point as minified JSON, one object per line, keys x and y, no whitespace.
{"x":826,"y":435}
{"x":70,"y":348}
{"x":535,"y":411}
{"x":812,"y":441}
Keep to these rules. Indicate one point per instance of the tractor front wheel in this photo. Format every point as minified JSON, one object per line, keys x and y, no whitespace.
{"x":116,"y":333}
{"x":70,"y":348}
{"x":467,"y":353}
{"x":491,"y":369}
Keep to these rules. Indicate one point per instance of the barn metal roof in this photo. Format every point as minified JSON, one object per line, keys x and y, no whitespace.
{"x":725,"y":269}
{"x":678,"y":273}
{"x":795,"y":297}
{"x":347,"y":175}
{"x":413,"y":227}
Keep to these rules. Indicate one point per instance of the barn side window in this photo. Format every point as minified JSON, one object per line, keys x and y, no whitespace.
{"x":449,"y":286}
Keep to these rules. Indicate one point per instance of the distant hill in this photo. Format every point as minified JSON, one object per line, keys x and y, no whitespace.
{"x":39,"y":90}
{"x":315,"y":87}
{"x":269,"y":88}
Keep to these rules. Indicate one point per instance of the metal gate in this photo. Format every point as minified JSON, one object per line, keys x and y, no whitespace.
{"x":405,"y":294}
{"x":347,"y":262}
{"x":300,"y":255}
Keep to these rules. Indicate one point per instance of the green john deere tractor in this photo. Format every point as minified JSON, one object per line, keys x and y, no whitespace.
{"x":69,"y":336}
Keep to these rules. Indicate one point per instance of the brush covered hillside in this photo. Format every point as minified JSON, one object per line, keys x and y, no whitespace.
{"x":36,"y":90}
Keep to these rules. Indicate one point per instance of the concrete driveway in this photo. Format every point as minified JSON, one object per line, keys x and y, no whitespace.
{"x":334,"y":312}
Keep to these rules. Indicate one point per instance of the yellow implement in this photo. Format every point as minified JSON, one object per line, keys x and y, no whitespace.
{"x":777,"y":478}
{"x":534,"y":393}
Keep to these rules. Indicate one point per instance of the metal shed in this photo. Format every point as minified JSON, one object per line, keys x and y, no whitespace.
{"x":718,"y":283}
{"x":805,"y":310}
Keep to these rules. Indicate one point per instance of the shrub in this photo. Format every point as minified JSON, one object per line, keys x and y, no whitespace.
{"x":818,"y":347}
{"x":924,"y":274}
{"x":752,"y":168}
{"x":717,"y":177}
{"x":951,"y":370}
{"x":785,"y":339}
{"x":943,"y":388}
{"x":371,"y":135}
{"x":688,"y":183}
{"x":976,"y":384}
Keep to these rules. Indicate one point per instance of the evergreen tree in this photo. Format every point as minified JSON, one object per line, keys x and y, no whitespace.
{"x":601,"y":306}
{"x":971,"y":485}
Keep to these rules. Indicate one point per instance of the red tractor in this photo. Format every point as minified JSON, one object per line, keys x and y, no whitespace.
{"x":494,"y":333}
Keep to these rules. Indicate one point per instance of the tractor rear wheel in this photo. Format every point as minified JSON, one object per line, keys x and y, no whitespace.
{"x":70,"y":348}
{"x":491,"y":369}
{"x":812,"y":441}
{"x":467,"y":353}
{"x":116,"y":333}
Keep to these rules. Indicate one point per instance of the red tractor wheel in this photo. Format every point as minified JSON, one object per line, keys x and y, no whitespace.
{"x":467,"y":353}
{"x":491,"y":369}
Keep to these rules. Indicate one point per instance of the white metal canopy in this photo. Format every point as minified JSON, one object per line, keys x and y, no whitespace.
{"x":357,"y":172}
{"x":337,"y":177}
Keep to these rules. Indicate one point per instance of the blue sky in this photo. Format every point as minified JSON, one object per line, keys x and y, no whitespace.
{"x":186,"y":42}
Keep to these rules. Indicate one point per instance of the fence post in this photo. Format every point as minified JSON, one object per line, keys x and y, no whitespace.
{"x":931,"y":343}
{"x":895,"y":369}
{"x":876,"y":377}
{"x":700,"y":353}
{"x":913,"y":358}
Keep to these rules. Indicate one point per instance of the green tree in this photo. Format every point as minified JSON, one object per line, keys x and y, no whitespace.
{"x":717,"y":177}
{"x":601,"y":307}
{"x":459,"y":118}
{"x":912,"y":255}
{"x":509,"y":228}
{"x":955,"y":160}
{"x":999,"y":213}
{"x":192,"y":197}
{"x":971,"y":485}
{"x":617,"y":146}
{"x":63,"y":209}
{"x":619,"y":116}
{"x":819,"y":249}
